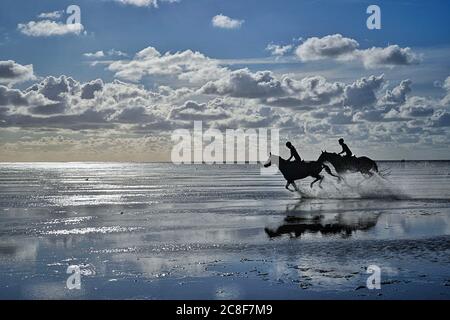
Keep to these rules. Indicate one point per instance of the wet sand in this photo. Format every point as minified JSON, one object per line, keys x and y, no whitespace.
{"x":159,"y":231}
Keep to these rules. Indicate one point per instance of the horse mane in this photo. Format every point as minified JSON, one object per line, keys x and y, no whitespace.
{"x":281,"y":159}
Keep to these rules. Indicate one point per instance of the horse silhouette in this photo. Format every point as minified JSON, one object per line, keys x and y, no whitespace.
{"x":299,"y":170}
{"x":364,"y":165}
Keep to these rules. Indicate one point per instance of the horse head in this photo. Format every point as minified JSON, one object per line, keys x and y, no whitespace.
{"x":269,"y":161}
{"x":323,"y":156}
{"x":272,"y":158}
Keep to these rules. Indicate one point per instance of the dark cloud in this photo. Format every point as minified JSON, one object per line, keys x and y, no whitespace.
{"x":88,"y":89}
{"x":245,"y":84}
{"x":12,"y":72}
{"x":362,"y":92}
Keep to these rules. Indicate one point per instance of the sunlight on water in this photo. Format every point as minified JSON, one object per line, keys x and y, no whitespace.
{"x":216,"y":231}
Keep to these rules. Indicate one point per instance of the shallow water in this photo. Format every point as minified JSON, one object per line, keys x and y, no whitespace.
{"x":157,"y":231}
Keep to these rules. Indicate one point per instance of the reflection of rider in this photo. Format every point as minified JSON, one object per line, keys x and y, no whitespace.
{"x":294,"y":153}
{"x":345,"y":149}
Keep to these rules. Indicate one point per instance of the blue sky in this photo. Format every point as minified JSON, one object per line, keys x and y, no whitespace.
{"x":422,"y":27}
{"x":187,"y":25}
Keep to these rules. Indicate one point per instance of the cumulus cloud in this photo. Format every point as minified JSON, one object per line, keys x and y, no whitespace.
{"x":362,"y":109}
{"x":441,"y":119}
{"x":416,"y":107}
{"x":88,"y":89}
{"x":11,"y":97}
{"x":398,"y":94}
{"x":446,"y":100}
{"x":388,"y":57}
{"x":12,"y":72}
{"x":331,"y":46}
{"x":363,"y":91}
{"x":341,"y":48}
{"x":192,"y":110}
{"x":48,"y":28}
{"x":307,"y":92}
{"x":245,"y":84}
{"x":188,"y":66}
{"x":224,"y":22}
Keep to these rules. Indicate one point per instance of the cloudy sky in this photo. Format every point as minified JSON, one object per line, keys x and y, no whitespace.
{"x":115,"y":84}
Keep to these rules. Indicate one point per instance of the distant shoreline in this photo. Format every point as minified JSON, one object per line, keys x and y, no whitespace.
{"x":168,"y":162}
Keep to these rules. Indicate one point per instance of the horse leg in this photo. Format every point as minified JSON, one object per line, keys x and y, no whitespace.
{"x":287,"y":185}
{"x":318,"y":177}
{"x":328,"y":170}
{"x":320,"y":182}
{"x":295,"y":186}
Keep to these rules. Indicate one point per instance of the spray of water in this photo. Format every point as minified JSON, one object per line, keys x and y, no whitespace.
{"x":355,"y":186}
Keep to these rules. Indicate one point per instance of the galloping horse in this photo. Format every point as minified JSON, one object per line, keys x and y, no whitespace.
{"x":364,"y":165}
{"x":299,"y":170}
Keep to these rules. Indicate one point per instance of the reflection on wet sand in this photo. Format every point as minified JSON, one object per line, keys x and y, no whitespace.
{"x":301,"y":220}
{"x":155,"y":231}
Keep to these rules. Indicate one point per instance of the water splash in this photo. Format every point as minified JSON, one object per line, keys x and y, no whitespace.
{"x":355,"y":187}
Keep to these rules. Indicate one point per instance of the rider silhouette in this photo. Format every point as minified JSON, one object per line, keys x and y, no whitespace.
{"x":345,"y":149}
{"x":294,"y":153}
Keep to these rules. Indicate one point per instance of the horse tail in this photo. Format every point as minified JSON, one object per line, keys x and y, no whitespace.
{"x":375,"y":167}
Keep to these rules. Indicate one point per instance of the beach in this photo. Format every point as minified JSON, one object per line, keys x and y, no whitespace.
{"x":165,"y":231}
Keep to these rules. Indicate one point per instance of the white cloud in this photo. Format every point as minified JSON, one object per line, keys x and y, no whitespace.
{"x":245,"y":84}
{"x":145,"y":3}
{"x":279,"y":50}
{"x":446,"y":100}
{"x":12,"y":72}
{"x":102,"y":54}
{"x":363,"y":91}
{"x":397,"y":95}
{"x":388,"y":57}
{"x":117,"y":53}
{"x":331,"y":46}
{"x":187,"y":66}
{"x":55,"y":15}
{"x":341,"y":48}
{"x":97,"y":54}
{"x":47,"y":28}
{"x":224,"y":22}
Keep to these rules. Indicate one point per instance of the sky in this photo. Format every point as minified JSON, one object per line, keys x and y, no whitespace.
{"x":114,"y":82}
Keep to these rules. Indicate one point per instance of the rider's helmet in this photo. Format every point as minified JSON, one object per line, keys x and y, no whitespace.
{"x":288,"y":144}
{"x":341,"y":140}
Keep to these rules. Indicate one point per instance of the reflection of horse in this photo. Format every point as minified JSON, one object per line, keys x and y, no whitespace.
{"x":363,"y":165}
{"x":299,"y":170}
{"x":341,"y":224}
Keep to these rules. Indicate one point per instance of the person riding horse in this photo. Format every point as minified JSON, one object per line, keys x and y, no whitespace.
{"x":345,"y":149}
{"x":294,"y":153}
